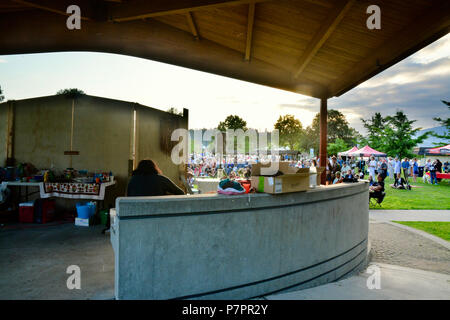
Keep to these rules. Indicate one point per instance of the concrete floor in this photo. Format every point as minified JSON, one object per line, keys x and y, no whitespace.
{"x":33,"y":262}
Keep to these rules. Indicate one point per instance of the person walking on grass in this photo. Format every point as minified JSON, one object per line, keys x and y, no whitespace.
{"x":415,"y":169}
{"x":390,"y":164}
{"x":433,"y":170}
{"x":397,"y":170}
{"x":372,"y":167}
{"x":405,"y":167}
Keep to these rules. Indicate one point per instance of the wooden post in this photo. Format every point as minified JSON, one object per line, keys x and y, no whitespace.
{"x":10,"y":135}
{"x":323,"y":137}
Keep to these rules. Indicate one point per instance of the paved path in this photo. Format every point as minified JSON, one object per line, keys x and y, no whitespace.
{"x":410,"y":215}
{"x":397,"y":246}
{"x":395,"y":283}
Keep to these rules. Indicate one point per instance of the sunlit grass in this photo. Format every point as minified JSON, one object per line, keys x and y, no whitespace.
{"x":439,"y":229}
{"x":421,"y":196}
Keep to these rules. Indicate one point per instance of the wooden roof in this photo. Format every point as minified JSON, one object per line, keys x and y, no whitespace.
{"x":320,"y":48}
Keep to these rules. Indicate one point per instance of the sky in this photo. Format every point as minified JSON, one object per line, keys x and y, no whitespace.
{"x":416,"y":85}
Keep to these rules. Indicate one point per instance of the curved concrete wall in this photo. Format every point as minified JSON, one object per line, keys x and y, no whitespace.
{"x":238,"y":247}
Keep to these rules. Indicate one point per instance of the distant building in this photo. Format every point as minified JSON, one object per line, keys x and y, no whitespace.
{"x":430,"y":143}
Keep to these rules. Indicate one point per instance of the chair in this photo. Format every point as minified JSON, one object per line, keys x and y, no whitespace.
{"x":377,"y":200}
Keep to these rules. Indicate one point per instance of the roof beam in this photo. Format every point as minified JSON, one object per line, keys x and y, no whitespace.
{"x":250,"y":21}
{"x":322,"y":35}
{"x":140,"y":9}
{"x":49,"y":6}
{"x":192,"y":26}
{"x":424,"y":30}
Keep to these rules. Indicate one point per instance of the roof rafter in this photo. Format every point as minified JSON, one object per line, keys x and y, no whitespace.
{"x":422,"y":31}
{"x":192,"y":26}
{"x":322,"y":35}
{"x":45,"y":5}
{"x":251,"y":20}
{"x":140,"y":9}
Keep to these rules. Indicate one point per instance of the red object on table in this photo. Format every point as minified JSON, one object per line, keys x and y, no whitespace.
{"x":26,"y":214}
{"x":246,"y":184}
{"x":441,"y":175}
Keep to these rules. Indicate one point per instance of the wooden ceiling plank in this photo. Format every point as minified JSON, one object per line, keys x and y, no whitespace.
{"x":147,"y":9}
{"x":251,"y":19}
{"x":418,"y":34}
{"x":47,"y":8}
{"x":327,"y":28}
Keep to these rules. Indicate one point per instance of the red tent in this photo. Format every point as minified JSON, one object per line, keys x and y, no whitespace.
{"x":440,"y":150}
{"x":346,"y":153}
{"x":367,"y":152}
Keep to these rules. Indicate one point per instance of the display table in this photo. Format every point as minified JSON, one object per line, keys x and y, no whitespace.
{"x":70,"y":190}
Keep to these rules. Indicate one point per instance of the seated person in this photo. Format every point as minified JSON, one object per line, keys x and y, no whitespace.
{"x":377,"y":188}
{"x":147,"y":180}
{"x":371,"y":182}
{"x":349,"y":177}
{"x":360,"y":174}
{"x":338,"y":178}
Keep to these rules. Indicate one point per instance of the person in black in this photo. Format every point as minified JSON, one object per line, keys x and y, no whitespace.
{"x":147,"y":180}
{"x":383,"y":169}
{"x":377,"y":188}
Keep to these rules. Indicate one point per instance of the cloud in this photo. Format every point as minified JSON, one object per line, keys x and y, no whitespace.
{"x":438,"y":50}
{"x":3,"y":61}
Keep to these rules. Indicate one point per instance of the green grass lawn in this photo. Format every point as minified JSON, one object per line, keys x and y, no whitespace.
{"x":439,"y":229}
{"x":423,"y":196}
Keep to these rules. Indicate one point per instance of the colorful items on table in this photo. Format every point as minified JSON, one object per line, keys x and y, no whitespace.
{"x":230,"y":187}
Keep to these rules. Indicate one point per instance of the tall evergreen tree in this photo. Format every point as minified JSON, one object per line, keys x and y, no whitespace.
{"x":375,"y":127}
{"x":399,"y":136}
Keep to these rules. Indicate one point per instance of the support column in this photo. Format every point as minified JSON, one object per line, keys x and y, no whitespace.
{"x":10,"y":135}
{"x":323,"y":137}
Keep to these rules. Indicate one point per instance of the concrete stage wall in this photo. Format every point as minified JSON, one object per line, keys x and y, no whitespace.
{"x":238,"y":247}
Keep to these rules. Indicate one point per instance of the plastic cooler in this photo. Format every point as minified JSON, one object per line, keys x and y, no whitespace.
{"x":26,"y":212}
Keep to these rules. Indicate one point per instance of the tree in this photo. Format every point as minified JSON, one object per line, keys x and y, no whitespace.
{"x":375,"y":127}
{"x":232,"y":122}
{"x":2,"y":97}
{"x":290,"y":131}
{"x":71,"y":93}
{"x":446,"y":124}
{"x":398,"y":136}
{"x":175,"y":111}
{"x":338,"y":146}
{"x":337,"y":128}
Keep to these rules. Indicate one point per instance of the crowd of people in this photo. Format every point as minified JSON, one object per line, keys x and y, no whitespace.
{"x":338,"y":169}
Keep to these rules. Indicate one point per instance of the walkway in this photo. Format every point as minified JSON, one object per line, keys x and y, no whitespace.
{"x":396,"y":283}
{"x":410,"y":215}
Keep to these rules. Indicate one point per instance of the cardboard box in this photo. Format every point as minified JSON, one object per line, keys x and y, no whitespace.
{"x":291,"y":179}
